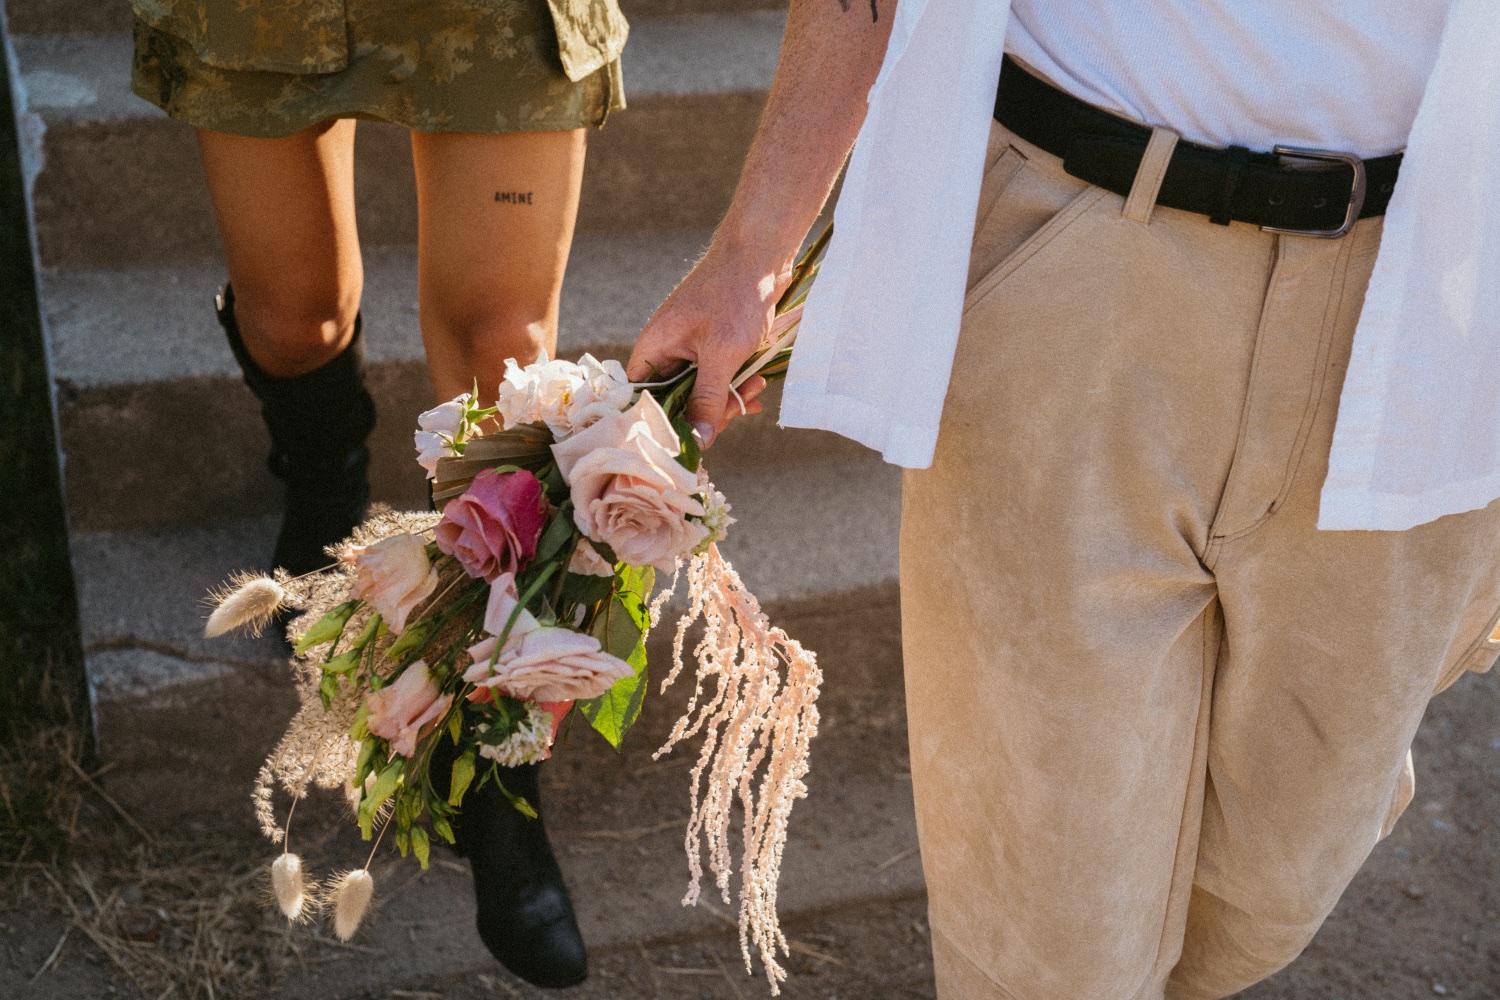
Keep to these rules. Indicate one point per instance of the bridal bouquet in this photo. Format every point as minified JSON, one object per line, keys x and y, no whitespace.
{"x":527,"y":596}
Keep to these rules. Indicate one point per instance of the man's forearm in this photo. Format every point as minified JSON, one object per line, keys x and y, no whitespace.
{"x":830,"y":56}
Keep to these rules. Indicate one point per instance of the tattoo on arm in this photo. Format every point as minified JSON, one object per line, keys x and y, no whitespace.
{"x":513,"y":197}
{"x":874,"y":11}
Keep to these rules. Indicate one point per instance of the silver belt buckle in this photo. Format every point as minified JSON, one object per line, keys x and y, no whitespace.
{"x":1356,"y":193}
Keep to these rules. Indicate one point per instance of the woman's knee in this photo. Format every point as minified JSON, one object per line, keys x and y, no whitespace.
{"x":520,"y":328}
{"x":296,"y":330}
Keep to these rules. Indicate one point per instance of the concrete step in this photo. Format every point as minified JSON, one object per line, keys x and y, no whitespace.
{"x":159,"y":429}
{"x":122,"y":183}
{"x":184,"y":722}
{"x":69,"y":17}
{"x":804,"y":531}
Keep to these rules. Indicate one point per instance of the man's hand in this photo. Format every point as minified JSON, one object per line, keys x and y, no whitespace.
{"x":720,"y":314}
{"x":717,"y":318}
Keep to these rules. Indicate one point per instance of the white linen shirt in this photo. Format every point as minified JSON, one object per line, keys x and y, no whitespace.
{"x":1418,"y":432}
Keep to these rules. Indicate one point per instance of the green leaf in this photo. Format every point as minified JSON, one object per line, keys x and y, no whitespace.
{"x":585,"y":590}
{"x":553,"y":482}
{"x":691,"y":453}
{"x":620,"y":629}
{"x":463,"y":776}
{"x":455,"y":726}
{"x":503,"y":717}
{"x":559,"y":533}
{"x":676,"y":399}
{"x":327,"y":628}
{"x":442,"y":828}
{"x":403,"y":842}
{"x":419,"y":845}
{"x":616,"y":710}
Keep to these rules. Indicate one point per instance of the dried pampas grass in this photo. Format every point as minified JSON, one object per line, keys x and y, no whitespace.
{"x":248,"y":601}
{"x":751,"y":718}
{"x":349,"y":897}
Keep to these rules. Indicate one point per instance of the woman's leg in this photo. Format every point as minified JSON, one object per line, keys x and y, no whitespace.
{"x":286,"y":212}
{"x":291,"y":313}
{"x":497,"y":215}
{"x":496,"y":221}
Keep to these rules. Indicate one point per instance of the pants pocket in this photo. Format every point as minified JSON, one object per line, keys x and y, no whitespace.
{"x":1016,"y":230}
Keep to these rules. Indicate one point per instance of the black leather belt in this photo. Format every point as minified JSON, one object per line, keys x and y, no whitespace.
{"x":1306,"y":192}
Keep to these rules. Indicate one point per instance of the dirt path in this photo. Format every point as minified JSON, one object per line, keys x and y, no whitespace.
{"x":1422,"y":919}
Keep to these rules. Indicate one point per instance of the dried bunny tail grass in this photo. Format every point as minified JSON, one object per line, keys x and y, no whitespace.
{"x":349,"y":897}
{"x":289,"y":886}
{"x":248,"y":601}
{"x":752,"y":718}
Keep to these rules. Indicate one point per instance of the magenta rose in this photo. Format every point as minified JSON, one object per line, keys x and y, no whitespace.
{"x":493,"y":527}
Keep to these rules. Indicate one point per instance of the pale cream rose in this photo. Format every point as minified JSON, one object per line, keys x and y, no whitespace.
{"x":541,"y":392}
{"x":394,"y":575}
{"x":605,"y":391}
{"x":567,"y":397}
{"x":628,"y":489}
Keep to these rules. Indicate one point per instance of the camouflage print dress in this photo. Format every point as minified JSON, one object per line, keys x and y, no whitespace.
{"x":270,"y":68}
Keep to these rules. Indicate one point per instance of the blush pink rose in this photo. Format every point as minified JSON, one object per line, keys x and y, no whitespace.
{"x":539,"y":662}
{"x":628,"y":489}
{"x":493,"y":527}
{"x":400,"y":711}
{"x":547,"y":664}
{"x":394,"y":576}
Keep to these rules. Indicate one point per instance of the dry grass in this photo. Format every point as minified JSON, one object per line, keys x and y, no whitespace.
{"x":174,"y":917}
{"x":177,"y":918}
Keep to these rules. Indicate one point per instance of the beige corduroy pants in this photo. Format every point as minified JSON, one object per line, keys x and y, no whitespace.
{"x":1158,"y":720}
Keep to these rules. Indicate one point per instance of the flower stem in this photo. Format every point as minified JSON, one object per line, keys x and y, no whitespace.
{"x":379,"y":837}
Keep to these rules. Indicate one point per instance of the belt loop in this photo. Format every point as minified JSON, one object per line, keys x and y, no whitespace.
{"x":1235,"y":158}
{"x":1149,"y":175}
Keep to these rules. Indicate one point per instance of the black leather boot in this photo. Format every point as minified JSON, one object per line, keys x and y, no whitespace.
{"x":318,"y":424}
{"x":525,"y":916}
